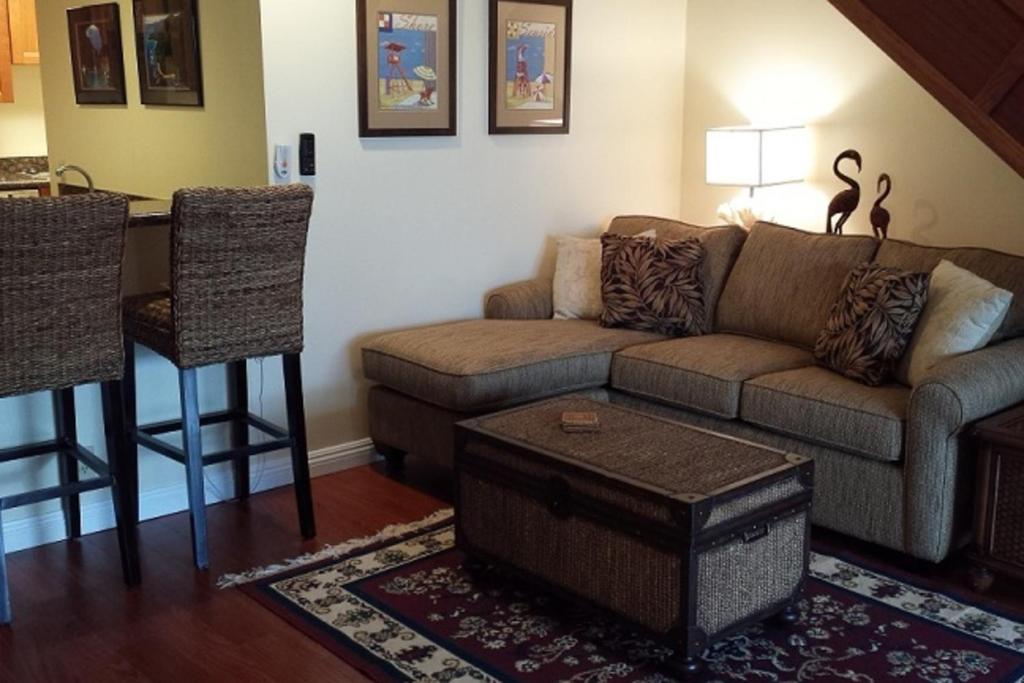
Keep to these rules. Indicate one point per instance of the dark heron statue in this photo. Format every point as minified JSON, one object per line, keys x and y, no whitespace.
{"x":846,"y":202}
{"x":880,"y":216}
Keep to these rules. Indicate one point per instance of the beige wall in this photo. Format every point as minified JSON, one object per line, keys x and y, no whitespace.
{"x":22,"y":131}
{"x":414,"y":231}
{"x":750,"y":61}
{"x":150,"y":150}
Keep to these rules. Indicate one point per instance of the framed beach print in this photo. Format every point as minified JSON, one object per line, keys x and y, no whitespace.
{"x":530,"y":66}
{"x":406,"y":67}
{"x":97,"y":61}
{"x":167,"y":49}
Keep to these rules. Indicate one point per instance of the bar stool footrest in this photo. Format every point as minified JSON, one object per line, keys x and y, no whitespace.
{"x":145,"y":436}
{"x":79,"y":452}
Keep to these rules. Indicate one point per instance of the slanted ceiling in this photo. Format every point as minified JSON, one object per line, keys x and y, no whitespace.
{"x":969,"y":54}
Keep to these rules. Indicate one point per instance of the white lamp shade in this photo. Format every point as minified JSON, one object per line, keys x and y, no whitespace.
{"x":783,"y":155}
{"x":756,"y":157}
{"x":733,"y":157}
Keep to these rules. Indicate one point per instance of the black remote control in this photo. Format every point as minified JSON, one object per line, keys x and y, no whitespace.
{"x":307,"y":154}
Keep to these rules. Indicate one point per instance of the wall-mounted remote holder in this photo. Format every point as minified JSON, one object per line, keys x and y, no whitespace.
{"x":282,"y":164}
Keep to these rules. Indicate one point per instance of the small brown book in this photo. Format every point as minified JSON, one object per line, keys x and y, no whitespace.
{"x":580,"y":422}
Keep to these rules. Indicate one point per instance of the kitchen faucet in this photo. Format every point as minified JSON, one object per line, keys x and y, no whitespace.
{"x":64,"y":168}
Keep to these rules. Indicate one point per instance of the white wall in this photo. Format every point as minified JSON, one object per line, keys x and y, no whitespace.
{"x":415,"y":231}
{"x":22,"y":130}
{"x":750,"y":61}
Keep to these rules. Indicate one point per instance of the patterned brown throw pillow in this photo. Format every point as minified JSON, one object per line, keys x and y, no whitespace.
{"x":653,"y":284}
{"x":872,"y":322}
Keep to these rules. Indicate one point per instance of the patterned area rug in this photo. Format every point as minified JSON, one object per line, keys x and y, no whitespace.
{"x":400,"y":607}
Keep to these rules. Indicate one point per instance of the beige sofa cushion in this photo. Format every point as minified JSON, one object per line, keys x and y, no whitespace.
{"x":478,"y":365}
{"x":704,"y":374}
{"x":785,"y":282}
{"x":722,"y":244}
{"x":823,"y":407}
{"x":1005,"y":271}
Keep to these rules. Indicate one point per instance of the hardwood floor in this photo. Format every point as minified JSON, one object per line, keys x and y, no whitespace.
{"x":74,"y":620}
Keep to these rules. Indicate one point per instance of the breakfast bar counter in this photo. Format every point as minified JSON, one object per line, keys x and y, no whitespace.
{"x":24,"y":174}
{"x":149,"y":212}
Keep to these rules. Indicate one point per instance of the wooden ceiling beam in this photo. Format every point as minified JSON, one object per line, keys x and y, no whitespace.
{"x":931,"y":79}
{"x":1001,"y":82}
{"x":1016,"y":6}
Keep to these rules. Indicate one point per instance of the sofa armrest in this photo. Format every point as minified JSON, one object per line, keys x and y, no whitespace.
{"x":527,"y":300}
{"x":954,"y":394}
{"x":975,"y":385}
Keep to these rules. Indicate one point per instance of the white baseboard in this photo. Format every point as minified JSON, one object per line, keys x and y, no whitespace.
{"x":276,"y":471}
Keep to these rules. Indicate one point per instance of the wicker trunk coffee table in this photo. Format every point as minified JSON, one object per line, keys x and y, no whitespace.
{"x":684,"y":532}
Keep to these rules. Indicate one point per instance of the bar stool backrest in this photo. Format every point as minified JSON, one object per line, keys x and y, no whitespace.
{"x":60,"y":291}
{"x":237,"y":259}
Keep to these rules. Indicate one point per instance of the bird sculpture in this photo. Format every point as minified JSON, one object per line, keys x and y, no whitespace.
{"x":844,"y":203}
{"x":879,"y":216}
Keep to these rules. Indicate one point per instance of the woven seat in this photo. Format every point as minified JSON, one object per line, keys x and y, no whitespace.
{"x":237,"y":258}
{"x":60,"y":326}
{"x":147,"y":320}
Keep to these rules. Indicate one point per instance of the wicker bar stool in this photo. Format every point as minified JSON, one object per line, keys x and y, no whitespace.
{"x":237,"y":258}
{"x":60,"y":327}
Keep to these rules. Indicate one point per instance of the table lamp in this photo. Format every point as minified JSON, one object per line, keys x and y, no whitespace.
{"x":753,"y":157}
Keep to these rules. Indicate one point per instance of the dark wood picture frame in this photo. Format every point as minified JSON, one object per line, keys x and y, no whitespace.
{"x":178,"y":80}
{"x":97,"y":54}
{"x":401,"y":119}
{"x":551,"y":121}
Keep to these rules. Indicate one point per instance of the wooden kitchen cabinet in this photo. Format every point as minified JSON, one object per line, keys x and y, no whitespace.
{"x":24,"y":31}
{"x":6,"y":77}
{"x":19,"y":41}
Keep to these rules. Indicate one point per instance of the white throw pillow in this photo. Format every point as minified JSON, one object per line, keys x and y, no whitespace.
{"x":963,"y":313}
{"x":576,"y":290}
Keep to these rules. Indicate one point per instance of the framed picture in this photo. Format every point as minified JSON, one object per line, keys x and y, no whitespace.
{"x":530,"y":66}
{"x":97,"y":61}
{"x":407,"y":67}
{"x":167,"y":48}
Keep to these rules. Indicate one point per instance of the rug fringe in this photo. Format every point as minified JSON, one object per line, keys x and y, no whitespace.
{"x":332,"y":551}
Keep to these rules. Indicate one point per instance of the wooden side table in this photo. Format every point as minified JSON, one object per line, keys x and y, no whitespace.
{"x":999,"y":501}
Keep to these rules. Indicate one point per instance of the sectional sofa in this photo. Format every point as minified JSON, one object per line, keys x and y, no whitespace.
{"x":893,"y":462}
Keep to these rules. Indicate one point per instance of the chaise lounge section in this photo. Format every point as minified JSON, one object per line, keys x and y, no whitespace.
{"x":893,"y":462}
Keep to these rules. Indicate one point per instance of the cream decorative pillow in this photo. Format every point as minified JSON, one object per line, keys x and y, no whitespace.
{"x":576,"y":291}
{"x":962,"y":315}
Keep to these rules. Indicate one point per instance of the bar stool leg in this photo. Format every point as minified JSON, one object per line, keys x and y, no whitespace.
{"x":67,"y":435}
{"x":130,"y":461}
{"x":238,"y":401}
{"x":194,"y":465}
{"x":5,"y":595}
{"x":113,"y":426}
{"x":300,"y":451}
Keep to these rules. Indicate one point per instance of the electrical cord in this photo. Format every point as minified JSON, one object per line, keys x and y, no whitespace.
{"x":261,"y":460}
